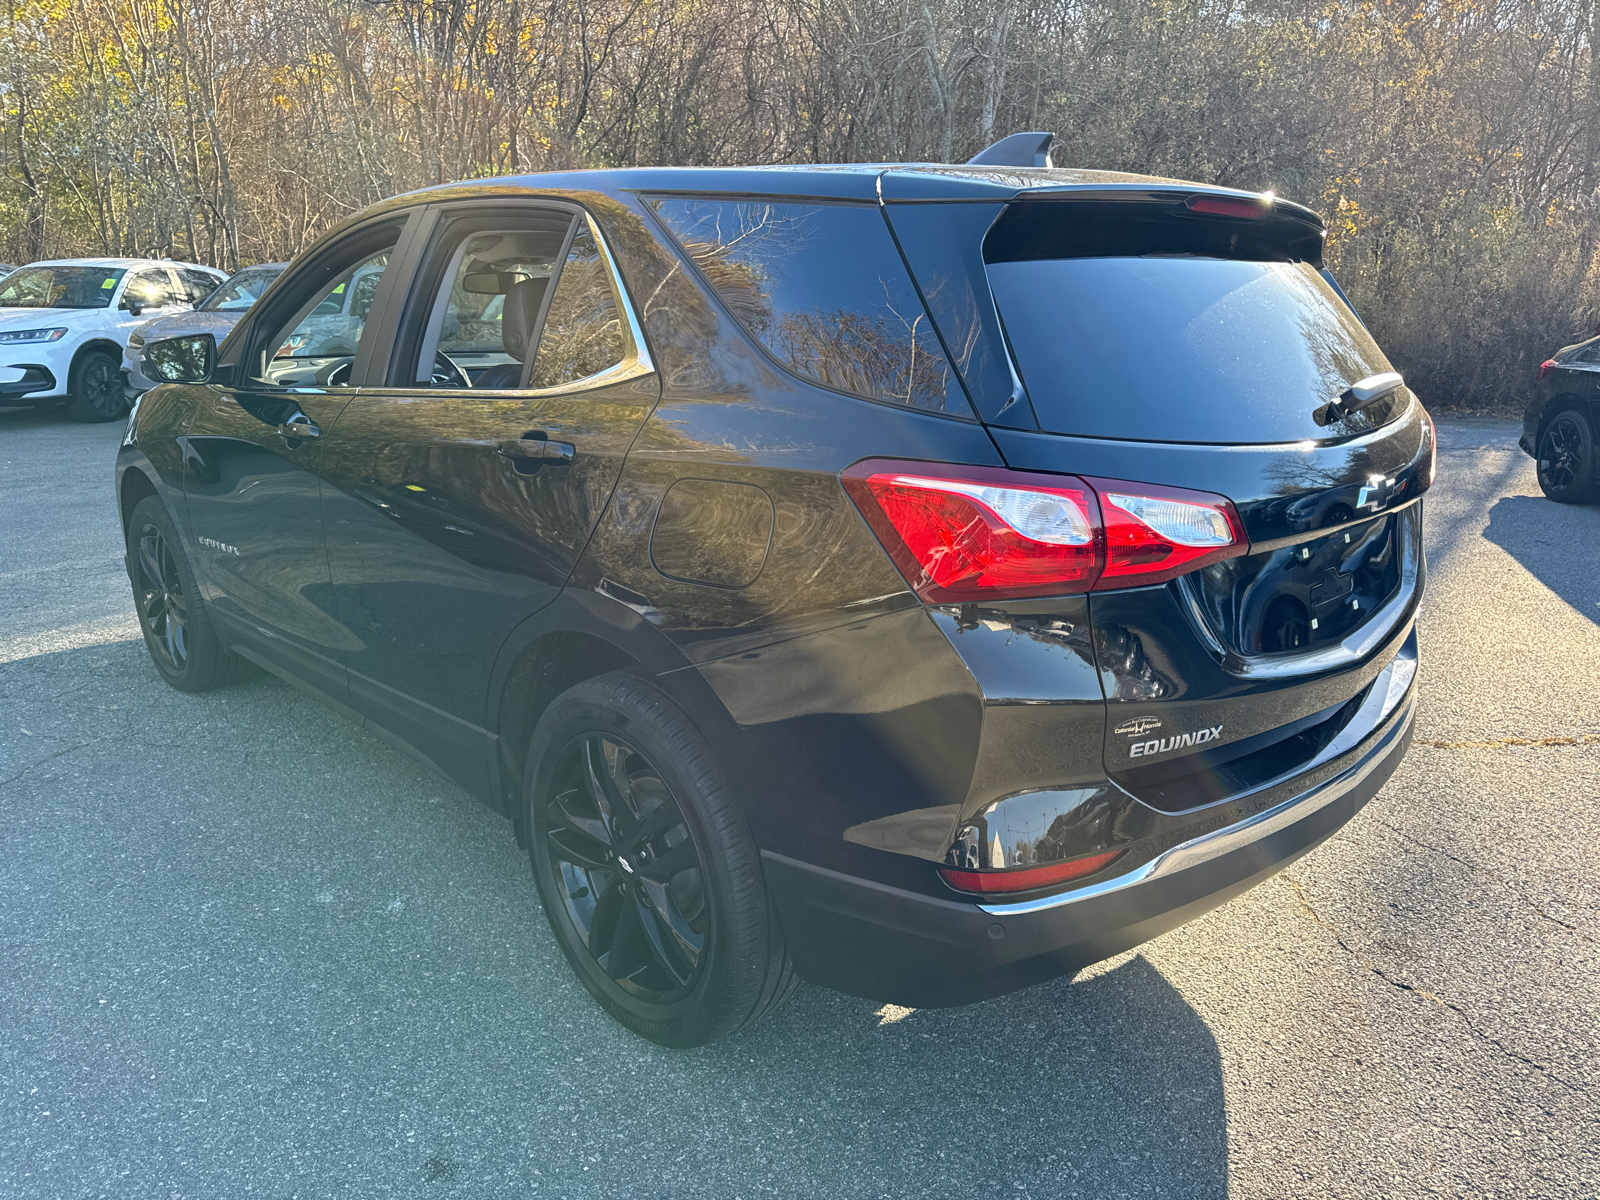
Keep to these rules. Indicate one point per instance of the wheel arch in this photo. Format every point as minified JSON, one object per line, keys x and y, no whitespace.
{"x":134,"y":487}
{"x":1559,"y":404}
{"x":94,"y":343}
{"x":579,"y":636}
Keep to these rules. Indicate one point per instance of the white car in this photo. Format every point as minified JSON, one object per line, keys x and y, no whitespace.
{"x":64,"y":324}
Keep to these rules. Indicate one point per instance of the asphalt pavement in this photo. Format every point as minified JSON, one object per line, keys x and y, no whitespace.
{"x":246,"y":950}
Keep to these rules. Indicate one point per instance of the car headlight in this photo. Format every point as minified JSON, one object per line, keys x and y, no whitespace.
{"x":12,"y":336}
{"x":135,"y":341}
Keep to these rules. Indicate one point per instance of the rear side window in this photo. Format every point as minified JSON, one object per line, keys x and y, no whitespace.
{"x":583,"y":329}
{"x":823,"y":288}
{"x":1174,"y":345}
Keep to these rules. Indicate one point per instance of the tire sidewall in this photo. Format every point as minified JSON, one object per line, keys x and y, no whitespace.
{"x":687,"y":1020}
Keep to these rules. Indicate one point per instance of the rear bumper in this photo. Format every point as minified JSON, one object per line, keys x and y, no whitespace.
{"x":926,"y":952}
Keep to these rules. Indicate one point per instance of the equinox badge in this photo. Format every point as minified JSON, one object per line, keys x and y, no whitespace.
{"x":1178,"y":742}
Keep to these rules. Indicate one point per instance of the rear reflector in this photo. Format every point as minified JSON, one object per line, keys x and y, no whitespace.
{"x":962,"y":534}
{"x":1028,"y":878}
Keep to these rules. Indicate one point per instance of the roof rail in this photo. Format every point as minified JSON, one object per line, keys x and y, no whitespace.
{"x":1018,"y":150}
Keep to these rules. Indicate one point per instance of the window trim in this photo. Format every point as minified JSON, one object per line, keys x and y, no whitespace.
{"x":636,"y":361}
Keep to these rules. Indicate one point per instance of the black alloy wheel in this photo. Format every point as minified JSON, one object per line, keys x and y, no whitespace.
{"x":177,"y":627}
{"x":646,"y":866}
{"x":96,"y":392}
{"x":1567,"y":459}
{"x":163,"y":603}
{"x":632,"y":880}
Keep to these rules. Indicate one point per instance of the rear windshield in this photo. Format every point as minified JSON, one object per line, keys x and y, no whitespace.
{"x":1185,"y":348}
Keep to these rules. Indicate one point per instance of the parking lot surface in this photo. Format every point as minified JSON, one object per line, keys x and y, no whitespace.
{"x":247,"y":950}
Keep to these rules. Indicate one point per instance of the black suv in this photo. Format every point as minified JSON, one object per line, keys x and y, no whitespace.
{"x":921,"y":580}
{"x":1559,"y":423}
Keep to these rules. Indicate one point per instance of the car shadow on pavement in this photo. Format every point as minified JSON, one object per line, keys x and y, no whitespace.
{"x":1107,"y":1086}
{"x":1554,"y":543}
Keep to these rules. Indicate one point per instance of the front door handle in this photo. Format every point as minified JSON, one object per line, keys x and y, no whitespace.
{"x":536,"y":450}
{"x":302,"y":429}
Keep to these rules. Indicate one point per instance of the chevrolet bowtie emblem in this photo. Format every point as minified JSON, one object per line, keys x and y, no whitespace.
{"x":1374,"y":494}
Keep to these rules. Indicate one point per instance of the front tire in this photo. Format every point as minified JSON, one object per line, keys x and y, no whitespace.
{"x":177,"y":628}
{"x":1566,"y":459}
{"x":646,"y":867}
{"x":94,"y":388}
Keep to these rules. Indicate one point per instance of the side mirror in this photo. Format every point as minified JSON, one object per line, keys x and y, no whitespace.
{"x":190,"y":359}
{"x":132,"y":305}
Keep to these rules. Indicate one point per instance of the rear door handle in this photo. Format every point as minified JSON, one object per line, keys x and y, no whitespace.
{"x":537,"y":450}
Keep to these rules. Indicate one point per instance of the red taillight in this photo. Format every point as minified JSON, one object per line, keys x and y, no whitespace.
{"x":1028,"y":878}
{"x":1229,"y":206}
{"x":1547,"y":366}
{"x":986,"y":533}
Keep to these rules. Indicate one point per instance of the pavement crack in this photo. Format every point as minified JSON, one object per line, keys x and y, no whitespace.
{"x":1402,"y":986}
{"x":1582,"y":739}
{"x":47,"y":758}
{"x":1488,"y":871}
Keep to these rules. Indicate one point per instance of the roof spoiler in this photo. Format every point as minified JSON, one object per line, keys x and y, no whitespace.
{"x":1018,"y":150}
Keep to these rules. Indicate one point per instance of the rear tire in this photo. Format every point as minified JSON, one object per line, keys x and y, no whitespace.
{"x":94,"y":388}
{"x":1566,"y":458}
{"x":646,"y":867}
{"x":178,"y":632}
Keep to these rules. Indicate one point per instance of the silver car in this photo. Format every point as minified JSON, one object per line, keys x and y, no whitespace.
{"x":217,"y":314}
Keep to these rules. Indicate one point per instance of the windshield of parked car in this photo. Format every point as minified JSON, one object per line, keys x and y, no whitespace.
{"x":60,"y":287}
{"x":243,"y":290}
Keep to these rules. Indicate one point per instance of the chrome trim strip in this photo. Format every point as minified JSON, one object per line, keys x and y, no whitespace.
{"x":1280,"y":816}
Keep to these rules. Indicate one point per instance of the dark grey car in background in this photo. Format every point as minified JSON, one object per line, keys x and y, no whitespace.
{"x":216,"y":314}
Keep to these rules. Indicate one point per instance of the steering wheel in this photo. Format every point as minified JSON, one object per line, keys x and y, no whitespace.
{"x":336,"y":374}
{"x":447,"y":374}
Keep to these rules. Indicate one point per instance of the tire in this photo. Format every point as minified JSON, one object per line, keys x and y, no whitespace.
{"x":646,"y":868}
{"x":177,"y":628}
{"x":94,"y":388}
{"x":1566,"y":458}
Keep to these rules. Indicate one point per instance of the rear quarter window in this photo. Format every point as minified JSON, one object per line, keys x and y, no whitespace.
{"x":823,"y":288}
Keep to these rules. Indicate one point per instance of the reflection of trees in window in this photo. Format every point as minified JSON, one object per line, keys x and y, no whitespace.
{"x":583,"y":331}
{"x":823,"y":289}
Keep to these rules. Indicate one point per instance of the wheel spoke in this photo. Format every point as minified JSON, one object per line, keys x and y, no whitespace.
{"x":670,"y":946}
{"x":580,"y":849}
{"x":595,"y":829}
{"x":148,"y":561}
{"x":629,"y":946}
{"x":602,"y":929}
{"x":603,"y":762}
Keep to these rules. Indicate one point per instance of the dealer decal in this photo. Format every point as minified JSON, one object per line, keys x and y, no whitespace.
{"x":1177,"y":742}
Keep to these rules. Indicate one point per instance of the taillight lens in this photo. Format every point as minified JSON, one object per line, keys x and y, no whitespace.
{"x":1153,"y":534}
{"x":1027,"y":878}
{"x":1547,"y":366}
{"x":986,"y":533}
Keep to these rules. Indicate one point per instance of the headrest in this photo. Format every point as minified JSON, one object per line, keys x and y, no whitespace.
{"x":518,"y":315}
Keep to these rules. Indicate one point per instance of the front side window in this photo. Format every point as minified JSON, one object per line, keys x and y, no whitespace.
{"x":583,"y":331}
{"x":319,"y":347}
{"x":243,"y":290}
{"x":60,"y":287}
{"x":823,"y":287}
{"x":485,"y":317}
